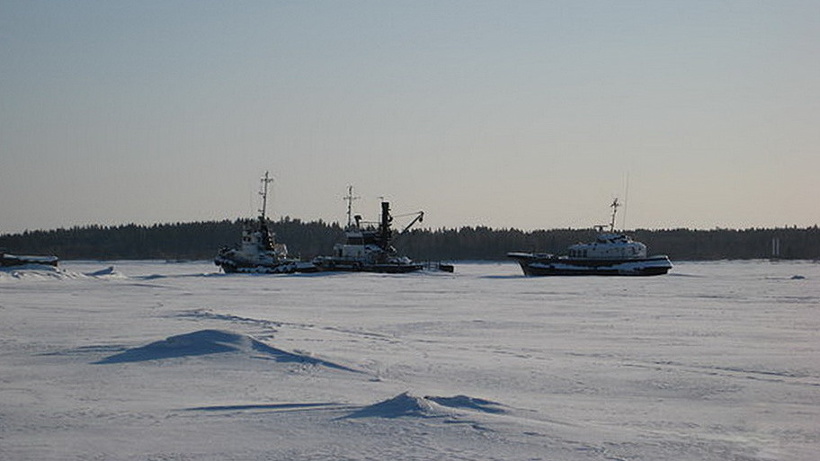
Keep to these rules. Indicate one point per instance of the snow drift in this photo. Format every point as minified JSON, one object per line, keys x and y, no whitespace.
{"x":406,"y":404}
{"x":206,"y":342}
{"x":35,"y":272}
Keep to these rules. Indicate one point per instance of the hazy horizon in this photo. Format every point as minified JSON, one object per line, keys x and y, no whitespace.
{"x":528,"y":115}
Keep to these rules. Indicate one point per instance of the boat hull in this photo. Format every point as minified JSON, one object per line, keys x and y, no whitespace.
{"x":7,"y":260}
{"x":346,"y":265}
{"x":241,"y":267}
{"x":548,"y":265}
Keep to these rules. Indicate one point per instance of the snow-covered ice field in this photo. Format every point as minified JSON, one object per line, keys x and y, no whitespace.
{"x":174,"y":361}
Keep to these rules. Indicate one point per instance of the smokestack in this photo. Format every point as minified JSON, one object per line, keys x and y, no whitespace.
{"x":385,"y":225}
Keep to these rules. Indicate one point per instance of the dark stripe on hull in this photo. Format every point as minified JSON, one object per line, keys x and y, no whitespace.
{"x":379,"y":268}
{"x":11,"y":260}
{"x":538,"y":271}
{"x":232,"y":267}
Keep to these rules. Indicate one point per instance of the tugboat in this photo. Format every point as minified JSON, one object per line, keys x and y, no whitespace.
{"x":611,"y":253}
{"x":259,"y":253}
{"x":368,"y":247}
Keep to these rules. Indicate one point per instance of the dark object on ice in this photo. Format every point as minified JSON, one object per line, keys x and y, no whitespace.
{"x":444,"y":267}
{"x":9,"y":260}
{"x":610,"y":254}
{"x":369,"y":248}
{"x":259,"y":253}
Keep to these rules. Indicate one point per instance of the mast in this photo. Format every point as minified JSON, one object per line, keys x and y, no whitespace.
{"x":614,"y":207}
{"x":349,"y":198}
{"x":264,"y":193}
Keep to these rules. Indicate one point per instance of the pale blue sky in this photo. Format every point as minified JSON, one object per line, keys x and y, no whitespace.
{"x":526,"y":114}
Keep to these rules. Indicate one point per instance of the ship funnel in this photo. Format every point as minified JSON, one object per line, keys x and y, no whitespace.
{"x":384,"y":226}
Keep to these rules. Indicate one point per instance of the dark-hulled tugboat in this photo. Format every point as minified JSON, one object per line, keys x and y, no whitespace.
{"x":611,"y":253}
{"x":258,"y":253}
{"x":368,"y":248}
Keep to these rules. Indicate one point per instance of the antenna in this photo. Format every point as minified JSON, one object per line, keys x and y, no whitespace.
{"x":614,"y":206}
{"x":264,"y":193}
{"x":350,"y":198}
{"x":626,"y":201}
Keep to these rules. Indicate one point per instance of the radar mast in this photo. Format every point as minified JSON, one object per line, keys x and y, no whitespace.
{"x":349,"y":198}
{"x":614,"y":207}
{"x":264,"y":193}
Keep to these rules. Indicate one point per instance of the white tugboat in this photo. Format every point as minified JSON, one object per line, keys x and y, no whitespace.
{"x":258,"y":252}
{"x":368,"y":246}
{"x":611,"y":253}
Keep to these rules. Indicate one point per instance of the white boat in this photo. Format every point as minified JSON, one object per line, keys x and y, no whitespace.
{"x":368,"y":246}
{"x":258,"y":252}
{"x":611,"y":253}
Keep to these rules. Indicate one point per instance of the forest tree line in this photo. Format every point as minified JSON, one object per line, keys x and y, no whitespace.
{"x":201,"y":240}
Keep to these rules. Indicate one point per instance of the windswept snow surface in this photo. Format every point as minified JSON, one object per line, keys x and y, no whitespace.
{"x":173,"y":361}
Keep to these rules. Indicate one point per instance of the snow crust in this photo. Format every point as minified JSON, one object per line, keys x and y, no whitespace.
{"x":153,"y":360}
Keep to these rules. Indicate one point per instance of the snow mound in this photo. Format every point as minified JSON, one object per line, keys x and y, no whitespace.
{"x":468,"y":403}
{"x":35,"y":272}
{"x":46,"y":272}
{"x":206,"y":342}
{"x":400,"y":405}
{"x":108,"y":272}
{"x":425,"y":407}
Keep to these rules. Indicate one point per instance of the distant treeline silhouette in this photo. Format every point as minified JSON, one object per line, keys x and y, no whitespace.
{"x":201,"y":240}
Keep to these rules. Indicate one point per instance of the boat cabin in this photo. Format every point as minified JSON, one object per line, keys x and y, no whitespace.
{"x":609,"y":246}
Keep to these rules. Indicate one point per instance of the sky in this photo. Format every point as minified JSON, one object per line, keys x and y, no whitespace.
{"x":524,"y":114}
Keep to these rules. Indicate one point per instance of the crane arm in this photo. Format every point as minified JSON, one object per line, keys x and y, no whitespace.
{"x":419,"y":218}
